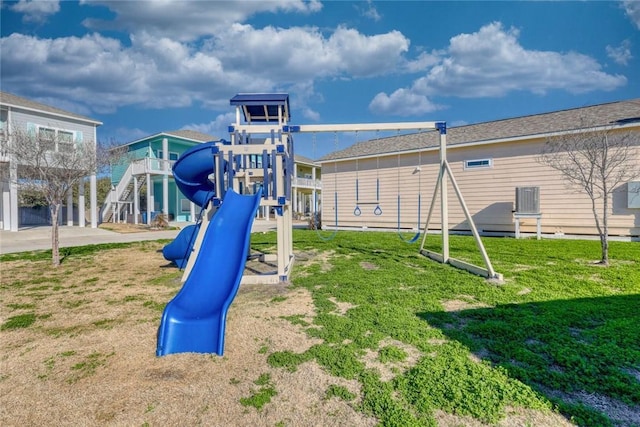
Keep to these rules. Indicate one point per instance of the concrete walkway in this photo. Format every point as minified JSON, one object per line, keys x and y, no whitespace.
{"x":38,"y":238}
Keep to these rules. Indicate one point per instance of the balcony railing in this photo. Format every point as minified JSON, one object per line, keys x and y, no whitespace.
{"x":151,"y":165}
{"x":307,"y":183}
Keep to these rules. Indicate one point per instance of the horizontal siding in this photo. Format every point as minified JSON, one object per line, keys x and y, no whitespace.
{"x":488,"y":192}
{"x":19,"y":119}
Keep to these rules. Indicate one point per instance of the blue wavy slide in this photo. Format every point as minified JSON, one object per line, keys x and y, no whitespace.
{"x":194,"y":320}
{"x":191,"y":173}
{"x":180,"y":248}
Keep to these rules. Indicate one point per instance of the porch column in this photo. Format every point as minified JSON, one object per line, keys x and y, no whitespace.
{"x":114,"y":204}
{"x":136,"y":200}
{"x":6,"y":203}
{"x":150,"y":201}
{"x":294,"y":190}
{"x":13,"y":197}
{"x":93,"y":195}
{"x":81,"y":207}
{"x":314,"y":194}
{"x":70,"y":208}
{"x":165,"y":178}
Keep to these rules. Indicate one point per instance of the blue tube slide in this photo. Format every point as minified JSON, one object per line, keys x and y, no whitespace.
{"x":179,"y":250}
{"x":191,"y":173}
{"x":194,"y":320}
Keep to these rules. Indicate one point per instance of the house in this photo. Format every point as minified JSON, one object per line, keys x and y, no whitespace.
{"x":491,"y":162}
{"x":306,"y":187}
{"x":146,"y":165}
{"x":19,"y":114}
{"x":143,"y":182}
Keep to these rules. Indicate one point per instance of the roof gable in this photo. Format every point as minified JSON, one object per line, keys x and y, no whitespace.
{"x":189,"y":136}
{"x":11,"y":100}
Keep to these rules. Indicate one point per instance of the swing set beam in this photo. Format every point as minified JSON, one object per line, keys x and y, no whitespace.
{"x":445,"y":174}
{"x":361,"y":127}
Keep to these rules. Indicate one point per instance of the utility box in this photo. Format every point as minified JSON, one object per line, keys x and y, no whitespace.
{"x":527,"y":200}
{"x":633,"y":195}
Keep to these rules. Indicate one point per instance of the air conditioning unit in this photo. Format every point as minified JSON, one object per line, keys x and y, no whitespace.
{"x":527,"y":200}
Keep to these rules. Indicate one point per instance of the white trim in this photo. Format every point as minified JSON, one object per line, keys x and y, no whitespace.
{"x":152,"y":138}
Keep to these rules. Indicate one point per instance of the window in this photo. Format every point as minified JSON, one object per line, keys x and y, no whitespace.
{"x":65,"y":136}
{"x":57,"y":139}
{"x":65,"y":141}
{"x":3,"y":120}
{"x":47,"y":134}
{"x":172,"y":155}
{"x":478,"y":163}
{"x":185,"y":205}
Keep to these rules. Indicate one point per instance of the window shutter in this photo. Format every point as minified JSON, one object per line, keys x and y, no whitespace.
{"x":31,"y":130}
{"x":78,"y":138}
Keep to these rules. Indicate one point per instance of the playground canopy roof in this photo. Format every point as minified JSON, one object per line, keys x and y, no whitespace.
{"x":262,"y":107}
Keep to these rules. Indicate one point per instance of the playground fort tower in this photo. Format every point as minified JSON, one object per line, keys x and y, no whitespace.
{"x":260,"y":153}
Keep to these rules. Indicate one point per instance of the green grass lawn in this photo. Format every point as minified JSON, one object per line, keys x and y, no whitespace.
{"x":561,"y":332}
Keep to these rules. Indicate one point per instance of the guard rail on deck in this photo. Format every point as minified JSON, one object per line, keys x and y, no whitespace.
{"x":308,"y":183}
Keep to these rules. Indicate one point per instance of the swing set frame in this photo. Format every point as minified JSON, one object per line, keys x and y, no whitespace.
{"x":445,"y":175}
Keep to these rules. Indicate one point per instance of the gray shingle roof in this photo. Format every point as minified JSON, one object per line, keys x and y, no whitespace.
{"x":302,"y":159}
{"x":17,"y":101}
{"x":513,"y":128}
{"x":191,"y":134}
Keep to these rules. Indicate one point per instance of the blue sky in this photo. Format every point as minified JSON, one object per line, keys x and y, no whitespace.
{"x":145,"y":67}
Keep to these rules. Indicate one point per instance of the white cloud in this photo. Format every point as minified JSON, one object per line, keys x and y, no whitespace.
{"x":219,"y":127}
{"x":36,"y":10}
{"x":304,"y":52}
{"x":632,"y":9}
{"x":621,"y":54}
{"x":424,"y":61}
{"x":188,"y":20}
{"x":402,"y":102}
{"x":159,"y":68}
{"x":491,"y":63}
{"x":370,"y":11}
{"x":121,"y":135}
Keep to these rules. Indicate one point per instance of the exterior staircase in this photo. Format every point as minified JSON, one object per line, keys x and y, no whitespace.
{"x":122,"y":194}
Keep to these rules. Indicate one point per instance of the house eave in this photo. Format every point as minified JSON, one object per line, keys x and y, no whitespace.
{"x":51,"y":113}
{"x":485,"y":142}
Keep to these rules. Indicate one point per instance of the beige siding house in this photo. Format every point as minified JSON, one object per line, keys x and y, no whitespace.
{"x":397,"y":175}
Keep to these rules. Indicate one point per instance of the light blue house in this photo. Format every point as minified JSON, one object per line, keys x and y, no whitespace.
{"x":143,"y":184}
{"x":143,"y":181}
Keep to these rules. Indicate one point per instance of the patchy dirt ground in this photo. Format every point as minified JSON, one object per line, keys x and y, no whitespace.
{"x":89,"y":359}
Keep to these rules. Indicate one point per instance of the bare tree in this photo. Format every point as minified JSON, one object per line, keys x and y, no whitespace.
{"x":597,"y":162}
{"x":50,"y":165}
